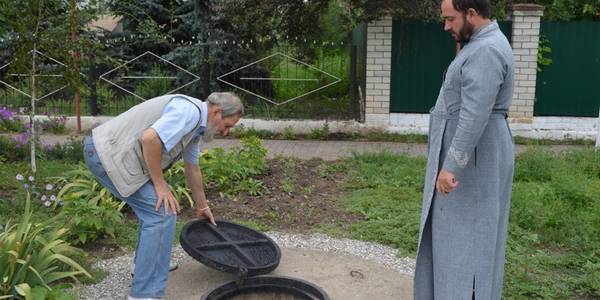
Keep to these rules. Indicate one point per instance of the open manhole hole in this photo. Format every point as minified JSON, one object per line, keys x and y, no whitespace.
{"x":267,"y":288}
{"x":242,"y":251}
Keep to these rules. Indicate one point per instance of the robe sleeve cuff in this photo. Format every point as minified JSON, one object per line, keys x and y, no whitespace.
{"x":456,"y":161}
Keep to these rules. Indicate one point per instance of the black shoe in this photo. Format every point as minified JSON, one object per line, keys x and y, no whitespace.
{"x":172,"y":267}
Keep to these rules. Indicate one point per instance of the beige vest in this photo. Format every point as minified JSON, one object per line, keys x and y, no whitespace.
{"x":118,"y":143}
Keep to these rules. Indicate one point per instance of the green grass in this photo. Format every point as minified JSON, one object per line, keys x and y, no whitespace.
{"x":553,"y":250}
{"x":376,"y":135}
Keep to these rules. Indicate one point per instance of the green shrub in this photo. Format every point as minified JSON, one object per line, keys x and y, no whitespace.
{"x":319,"y":133}
{"x":288,"y":133}
{"x":81,"y":185}
{"x":244,"y":132}
{"x":175,"y":177}
{"x":232,"y":172}
{"x":9,"y":122}
{"x":54,"y":124}
{"x":89,"y":208}
{"x":88,"y":222}
{"x":35,"y":255}
{"x":17,"y":149}
{"x":12,"y":151}
{"x":71,"y":150}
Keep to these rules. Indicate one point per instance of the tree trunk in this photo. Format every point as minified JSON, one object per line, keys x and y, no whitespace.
{"x":32,"y":112}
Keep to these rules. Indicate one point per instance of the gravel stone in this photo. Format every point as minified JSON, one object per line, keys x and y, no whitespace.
{"x":116,"y":284}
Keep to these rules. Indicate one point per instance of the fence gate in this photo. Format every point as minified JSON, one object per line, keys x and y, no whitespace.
{"x":570,"y":85}
{"x":420,"y":54}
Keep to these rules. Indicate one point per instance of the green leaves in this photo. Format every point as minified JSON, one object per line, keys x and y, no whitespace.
{"x":233,"y":172}
{"x":89,"y":208}
{"x":34,"y":255}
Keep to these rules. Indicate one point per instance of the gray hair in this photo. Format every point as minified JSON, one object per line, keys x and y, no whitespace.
{"x":229,"y":102}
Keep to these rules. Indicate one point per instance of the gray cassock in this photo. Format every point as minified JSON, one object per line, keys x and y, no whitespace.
{"x":462,"y":235}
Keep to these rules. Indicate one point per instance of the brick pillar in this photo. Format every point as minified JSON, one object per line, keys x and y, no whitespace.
{"x":525,"y":41}
{"x":379,"y":58}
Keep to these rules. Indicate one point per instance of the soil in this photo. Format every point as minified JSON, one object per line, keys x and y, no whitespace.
{"x":298,"y":198}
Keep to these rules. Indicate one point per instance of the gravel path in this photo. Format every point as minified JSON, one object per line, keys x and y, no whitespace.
{"x":116,"y":285}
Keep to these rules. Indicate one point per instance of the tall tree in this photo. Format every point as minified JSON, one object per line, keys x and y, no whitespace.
{"x":30,"y":28}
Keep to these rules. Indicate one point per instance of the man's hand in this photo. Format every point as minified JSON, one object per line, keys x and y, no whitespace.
{"x":205,"y":213}
{"x":446,"y":182}
{"x":165,"y":197}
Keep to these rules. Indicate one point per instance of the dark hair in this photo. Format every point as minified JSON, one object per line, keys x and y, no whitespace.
{"x":482,"y":7}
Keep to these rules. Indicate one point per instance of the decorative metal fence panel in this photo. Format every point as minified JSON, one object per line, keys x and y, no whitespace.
{"x":275,"y":79}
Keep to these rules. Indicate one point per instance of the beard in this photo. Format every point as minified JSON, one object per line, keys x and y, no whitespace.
{"x":466,"y":31}
{"x":209,"y":133}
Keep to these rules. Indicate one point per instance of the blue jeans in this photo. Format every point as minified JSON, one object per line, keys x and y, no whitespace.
{"x":155,"y":232}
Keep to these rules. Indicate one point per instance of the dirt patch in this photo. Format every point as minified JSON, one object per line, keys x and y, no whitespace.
{"x":299,"y":196}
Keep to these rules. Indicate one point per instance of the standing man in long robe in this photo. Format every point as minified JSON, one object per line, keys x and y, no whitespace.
{"x":468,"y":183}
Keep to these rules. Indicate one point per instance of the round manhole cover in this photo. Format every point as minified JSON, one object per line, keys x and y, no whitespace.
{"x":230,"y":247}
{"x":267,"y":288}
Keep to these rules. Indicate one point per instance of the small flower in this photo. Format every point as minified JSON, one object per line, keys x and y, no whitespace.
{"x":31,"y":178}
{"x":21,"y":110}
{"x":49,"y":187}
{"x":47,"y":203}
{"x":26,"y":186}
{"x":52,"y":198}
{"x":20,"y":177}
{"x":43,"y":198}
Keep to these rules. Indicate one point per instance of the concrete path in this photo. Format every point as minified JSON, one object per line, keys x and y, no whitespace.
{"x":342,"y":277}
{"x":326,"y":150}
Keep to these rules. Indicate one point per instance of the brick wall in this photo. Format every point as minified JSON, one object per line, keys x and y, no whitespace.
{"x":525,"y":40}
{"x":379,"y":58}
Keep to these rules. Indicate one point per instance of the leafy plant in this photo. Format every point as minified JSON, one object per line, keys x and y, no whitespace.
{"x":9,"y":122}
{"x":542,"y":54}
{"x":288,"y":133}
{"x":233,"y":171}
{"x":34,"y":255}
{"x":71,"y":150}
{"x":175,"y":177}
{"x":243,"y":132}
{"x":89,"y":208}
{"x":81,"y":185}
{"x":319,"y":133}
{"x":54,"y":124}
{"x":88,"y":221}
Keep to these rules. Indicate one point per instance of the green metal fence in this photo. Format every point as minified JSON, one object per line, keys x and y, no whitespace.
{"x":570,"y":86}
{"x":420,"y":54}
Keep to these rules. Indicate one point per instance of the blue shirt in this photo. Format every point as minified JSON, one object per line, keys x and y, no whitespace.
{"x":180,"y":117}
